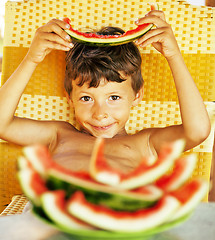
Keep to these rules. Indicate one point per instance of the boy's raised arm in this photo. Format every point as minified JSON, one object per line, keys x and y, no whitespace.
{"x":26,"y":131}
{"x":195,"y":125}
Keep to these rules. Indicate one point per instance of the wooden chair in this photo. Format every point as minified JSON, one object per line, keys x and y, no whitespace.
{"x":43,"y":98}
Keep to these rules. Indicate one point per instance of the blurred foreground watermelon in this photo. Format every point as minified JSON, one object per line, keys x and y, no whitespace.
{"x":154,"y":195}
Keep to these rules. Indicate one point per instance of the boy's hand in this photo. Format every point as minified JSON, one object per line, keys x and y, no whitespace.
{"x":48,"y":37}
{"x":162,"y":37}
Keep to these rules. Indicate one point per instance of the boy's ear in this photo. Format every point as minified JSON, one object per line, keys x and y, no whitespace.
{"x":69,"y":100}
{"x":138,"y":98}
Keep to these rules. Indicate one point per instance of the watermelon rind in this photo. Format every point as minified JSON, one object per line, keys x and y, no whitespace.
{"x":154,"y":173}
{"x":32,"y":184}
{"x":120,"y":39}
{"x":195,"y":199}
{"x":22,"y":163}
{"x":58,"y":178}
{"x":104,"y":176}
{"x":192,"y":161}
{"x":24,"y":177}
{"x":122,"y":221}
{"x":36,"y":155}
{"x":101,"y":234}
{"x":96,"y":193}
{"x":178,"y":176}
{"x":57,"y":215}
{"x":104,"y":42}
{"x":134,"y":180}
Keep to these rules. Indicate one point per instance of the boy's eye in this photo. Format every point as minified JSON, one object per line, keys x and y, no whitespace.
{"x":114,"y":97}
{"x":86,"y":98}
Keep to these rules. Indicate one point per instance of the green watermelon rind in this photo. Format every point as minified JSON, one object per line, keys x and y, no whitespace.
{"x":103,"y":42}
{"x":106,"y":42}
{"x":154,"y":173}
{"x":23,"y":177}
{"x":101,"y":234}
{"x":116,"y":199}
{"x":59,"y":216}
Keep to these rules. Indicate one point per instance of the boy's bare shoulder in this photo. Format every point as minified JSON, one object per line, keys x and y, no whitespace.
{"x":65,"y":134}
{"x":62,"y":125}
{"x":143,"y":142}
{"x":61,"y":131}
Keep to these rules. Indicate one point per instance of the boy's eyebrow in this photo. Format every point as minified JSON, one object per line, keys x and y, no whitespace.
{"x":111,"y":93}
{"x":83,"y":92}
{"x":115,"y":92}
{"x":107,"y":93}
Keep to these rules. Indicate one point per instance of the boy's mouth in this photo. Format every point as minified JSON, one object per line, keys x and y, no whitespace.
{"x":102,"y":128}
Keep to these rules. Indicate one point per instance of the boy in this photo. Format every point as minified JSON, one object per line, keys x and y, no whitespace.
{"x":102,"y":96}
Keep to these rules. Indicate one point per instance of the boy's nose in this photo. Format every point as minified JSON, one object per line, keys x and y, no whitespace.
{"x":99,"y":112}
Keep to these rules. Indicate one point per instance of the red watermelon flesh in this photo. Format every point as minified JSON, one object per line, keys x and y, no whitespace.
{"x":183,"y":169}
{"x":190,"y":195}
{"x":54,"y":205}
{"x":99,"y":168}
{"x":122,"y":221}
{"x":41,"y":160}
{"x":108,"y":40}
{"x":39,"y":157}
{"x":60,"y":177}
{"x":32,"y":184}
{"x":142,"y":175}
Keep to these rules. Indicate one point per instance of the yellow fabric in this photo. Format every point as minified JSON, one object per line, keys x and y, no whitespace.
{"x":159,"y":84}
{"x":193,"y":26}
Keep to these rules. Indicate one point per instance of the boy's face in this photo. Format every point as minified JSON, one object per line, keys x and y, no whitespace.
{"x":103,"y":111}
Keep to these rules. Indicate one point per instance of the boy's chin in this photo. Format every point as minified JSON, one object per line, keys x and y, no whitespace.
{"x":97,"y":135}
{"x":103,"y":135}
{"x":110,"y":134}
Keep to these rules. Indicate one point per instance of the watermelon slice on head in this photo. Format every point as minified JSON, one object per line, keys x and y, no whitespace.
{"x":94,"y":39}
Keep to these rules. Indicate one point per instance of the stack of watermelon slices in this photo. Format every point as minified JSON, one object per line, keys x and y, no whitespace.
{"x":157,"y":193}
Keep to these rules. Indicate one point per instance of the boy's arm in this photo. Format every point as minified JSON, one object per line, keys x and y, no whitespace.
{"x":20,"y":130}
{"x":195,"y":125}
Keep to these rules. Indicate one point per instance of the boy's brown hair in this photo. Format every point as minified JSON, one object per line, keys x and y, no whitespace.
{"x":91,"y":63}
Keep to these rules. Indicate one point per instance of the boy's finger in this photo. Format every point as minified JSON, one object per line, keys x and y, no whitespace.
{"x":57,"y":46}
{"x":61,"y":23}
{"x":157,"y":21}
{"x":157,"y":13}
{"x":48,"y":27}
{"x":149,"y":35}
{"x":56,"y":26}
{"x":54,"y":38}
{"x":151,"y":40}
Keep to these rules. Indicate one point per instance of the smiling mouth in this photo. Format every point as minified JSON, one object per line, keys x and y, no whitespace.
{"x":102,"y":128}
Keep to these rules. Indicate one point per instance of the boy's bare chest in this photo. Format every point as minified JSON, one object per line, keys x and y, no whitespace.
{"x":73,"y":150}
